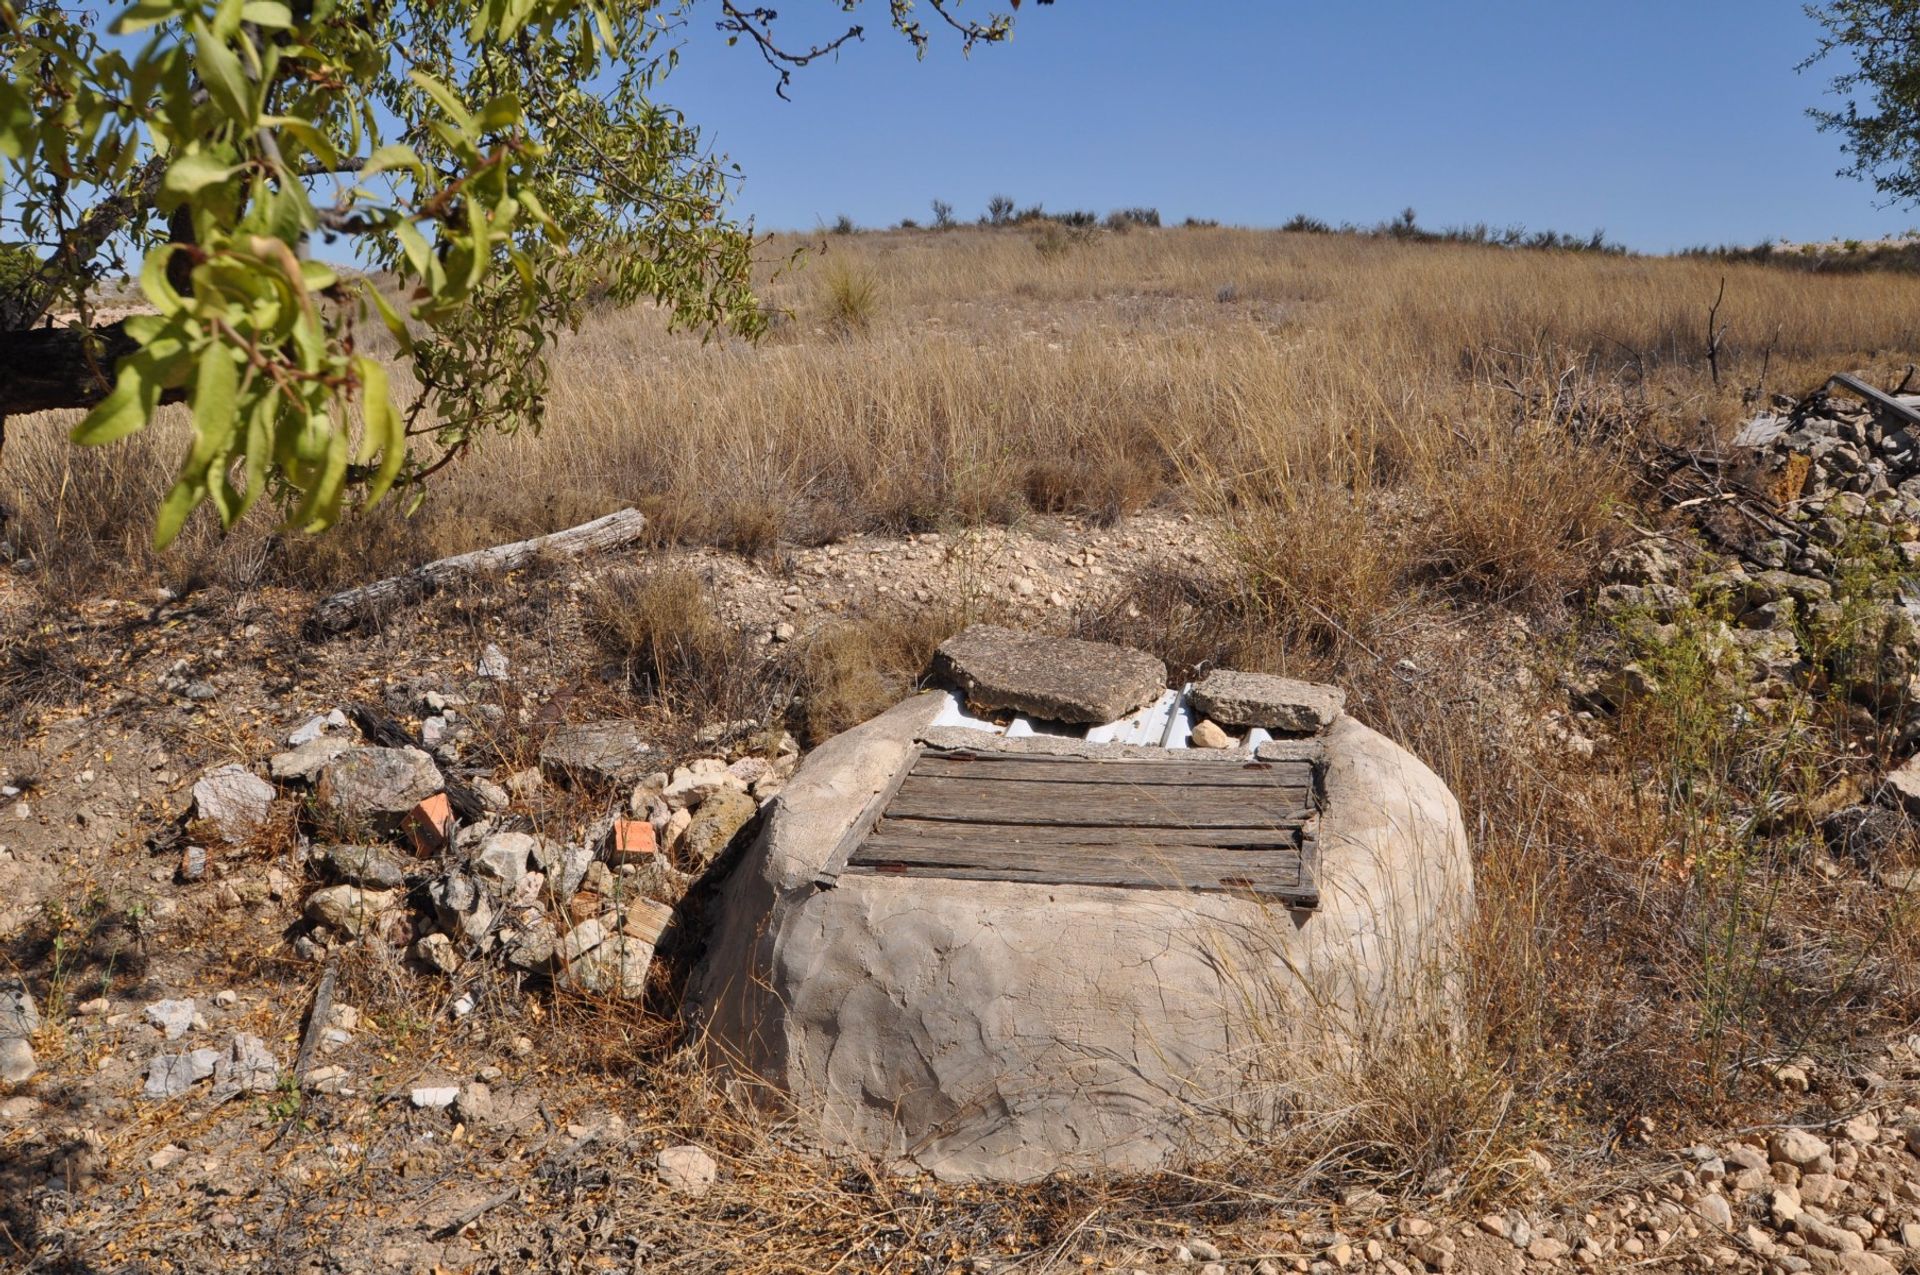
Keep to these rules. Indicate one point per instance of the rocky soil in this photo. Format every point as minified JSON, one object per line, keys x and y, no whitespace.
{"x":358,"y":955}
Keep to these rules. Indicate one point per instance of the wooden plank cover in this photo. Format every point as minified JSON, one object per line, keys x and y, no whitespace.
{"x":1223,"y":823}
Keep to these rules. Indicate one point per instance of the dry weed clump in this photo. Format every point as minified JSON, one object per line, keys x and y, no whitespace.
{"x":659,"y":630}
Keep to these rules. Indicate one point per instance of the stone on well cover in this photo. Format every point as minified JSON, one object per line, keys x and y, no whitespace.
{"x":1269,"y":702}
{"x":1059,"y":679}
{"x":1008,"y":1029}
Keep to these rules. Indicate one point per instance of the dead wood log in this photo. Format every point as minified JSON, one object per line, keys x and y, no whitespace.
{"x":353,"y":607}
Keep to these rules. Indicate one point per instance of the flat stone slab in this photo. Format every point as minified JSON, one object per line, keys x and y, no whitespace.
{"x":376,"y":787}
{"x":1058,"y":679}
{"x":1268,"y":702}
{"x":612,"y":753}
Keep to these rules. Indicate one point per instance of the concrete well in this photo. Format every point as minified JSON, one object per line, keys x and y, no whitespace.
{"x":1006,"y":1029}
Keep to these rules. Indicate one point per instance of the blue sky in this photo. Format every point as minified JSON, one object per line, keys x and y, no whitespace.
{"x":1666,"y":122}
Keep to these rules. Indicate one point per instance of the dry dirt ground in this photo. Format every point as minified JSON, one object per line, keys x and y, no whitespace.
{"x":546,"y":1160}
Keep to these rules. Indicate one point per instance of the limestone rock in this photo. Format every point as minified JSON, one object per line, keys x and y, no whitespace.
{"x":19,"y":1016}
{"x":170,"y":1075}
{"x":17,"y":1063}
{"x":1272,"y":703}
{"x":687,"y":1169}
{"x":1208,"y":735}
{"x":1903,"y":786}
{"x":376,"y":787}
{"x":232,"y":802}
{"x":370,"y":866}
{"x":304,"y":761}
{"x":719,"y":817}
{"x":349,"y":908}
{"x":1797,"y":1147}
{"x":606,"y":754}
{"x":462,"y":907}
{"x":1058,"y":679}
{"x":172,"y":1017}
{"x":435,"y":951}
{"x":616,"y":966}
{"x":248,"y":1067}
{"x":503,"y":858}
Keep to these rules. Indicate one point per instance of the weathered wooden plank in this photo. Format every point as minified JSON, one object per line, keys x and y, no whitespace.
{"x":344,"y":610}
{"x":895,"y":831}
{"x":1097,"y":805}
{"x":1877,"y":396}
{"x":1223,"y":772}
{"x":858,"y":830}
{"x":1191,"y":868}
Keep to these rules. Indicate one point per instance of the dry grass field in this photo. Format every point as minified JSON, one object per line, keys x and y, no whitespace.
{"x":1406,"y":460}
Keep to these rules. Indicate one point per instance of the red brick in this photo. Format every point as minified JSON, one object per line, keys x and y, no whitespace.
{"x":631,"y":841}
{"x":429,"y":825}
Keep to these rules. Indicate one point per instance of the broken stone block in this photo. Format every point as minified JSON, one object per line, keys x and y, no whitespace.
{"x":604,"y":754}
{"x":1059,"y":679}
{"x":376,"y":787}
{"x":249,"y":1067}
{"x":531,"y":944}
{"x":232,"y":802}
{"x":1272,"y":703}
{"x":193,"y":863}
{"x":583,"y":938}
{"x":1903,"y":786}
{"x":463,"y":908}
{"x":429,"y":825}
{"x":502,"y":858}
{"x":349,"y":908}
{"x":713,"y":826}
{"x":365,"y":866}
{"x":170,"y":1075}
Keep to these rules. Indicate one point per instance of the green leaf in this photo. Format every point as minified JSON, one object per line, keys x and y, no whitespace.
{"x":127,"y":409}
{"x":383,"y":428}
{"x":391,"y":157}
{"x":16,"y":121}
{"x":190,"y":174}
{"x":145,"y":14}
{"x":267,"y":13}
{"x":220,"y":71}
{"x":390,"y":317}
{"x":440,"y":93}
{"x":182,"y":499}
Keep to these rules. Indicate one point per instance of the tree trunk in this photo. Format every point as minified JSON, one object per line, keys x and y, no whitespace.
{"x":42,"y":369}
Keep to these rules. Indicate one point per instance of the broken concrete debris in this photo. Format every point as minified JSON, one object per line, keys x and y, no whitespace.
{"x":1279,"y":704}
{"x":1057,"y":679}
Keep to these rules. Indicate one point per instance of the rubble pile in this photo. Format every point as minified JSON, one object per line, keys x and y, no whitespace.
{"x":1790,"y":568}
{"x":397,"y":849}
